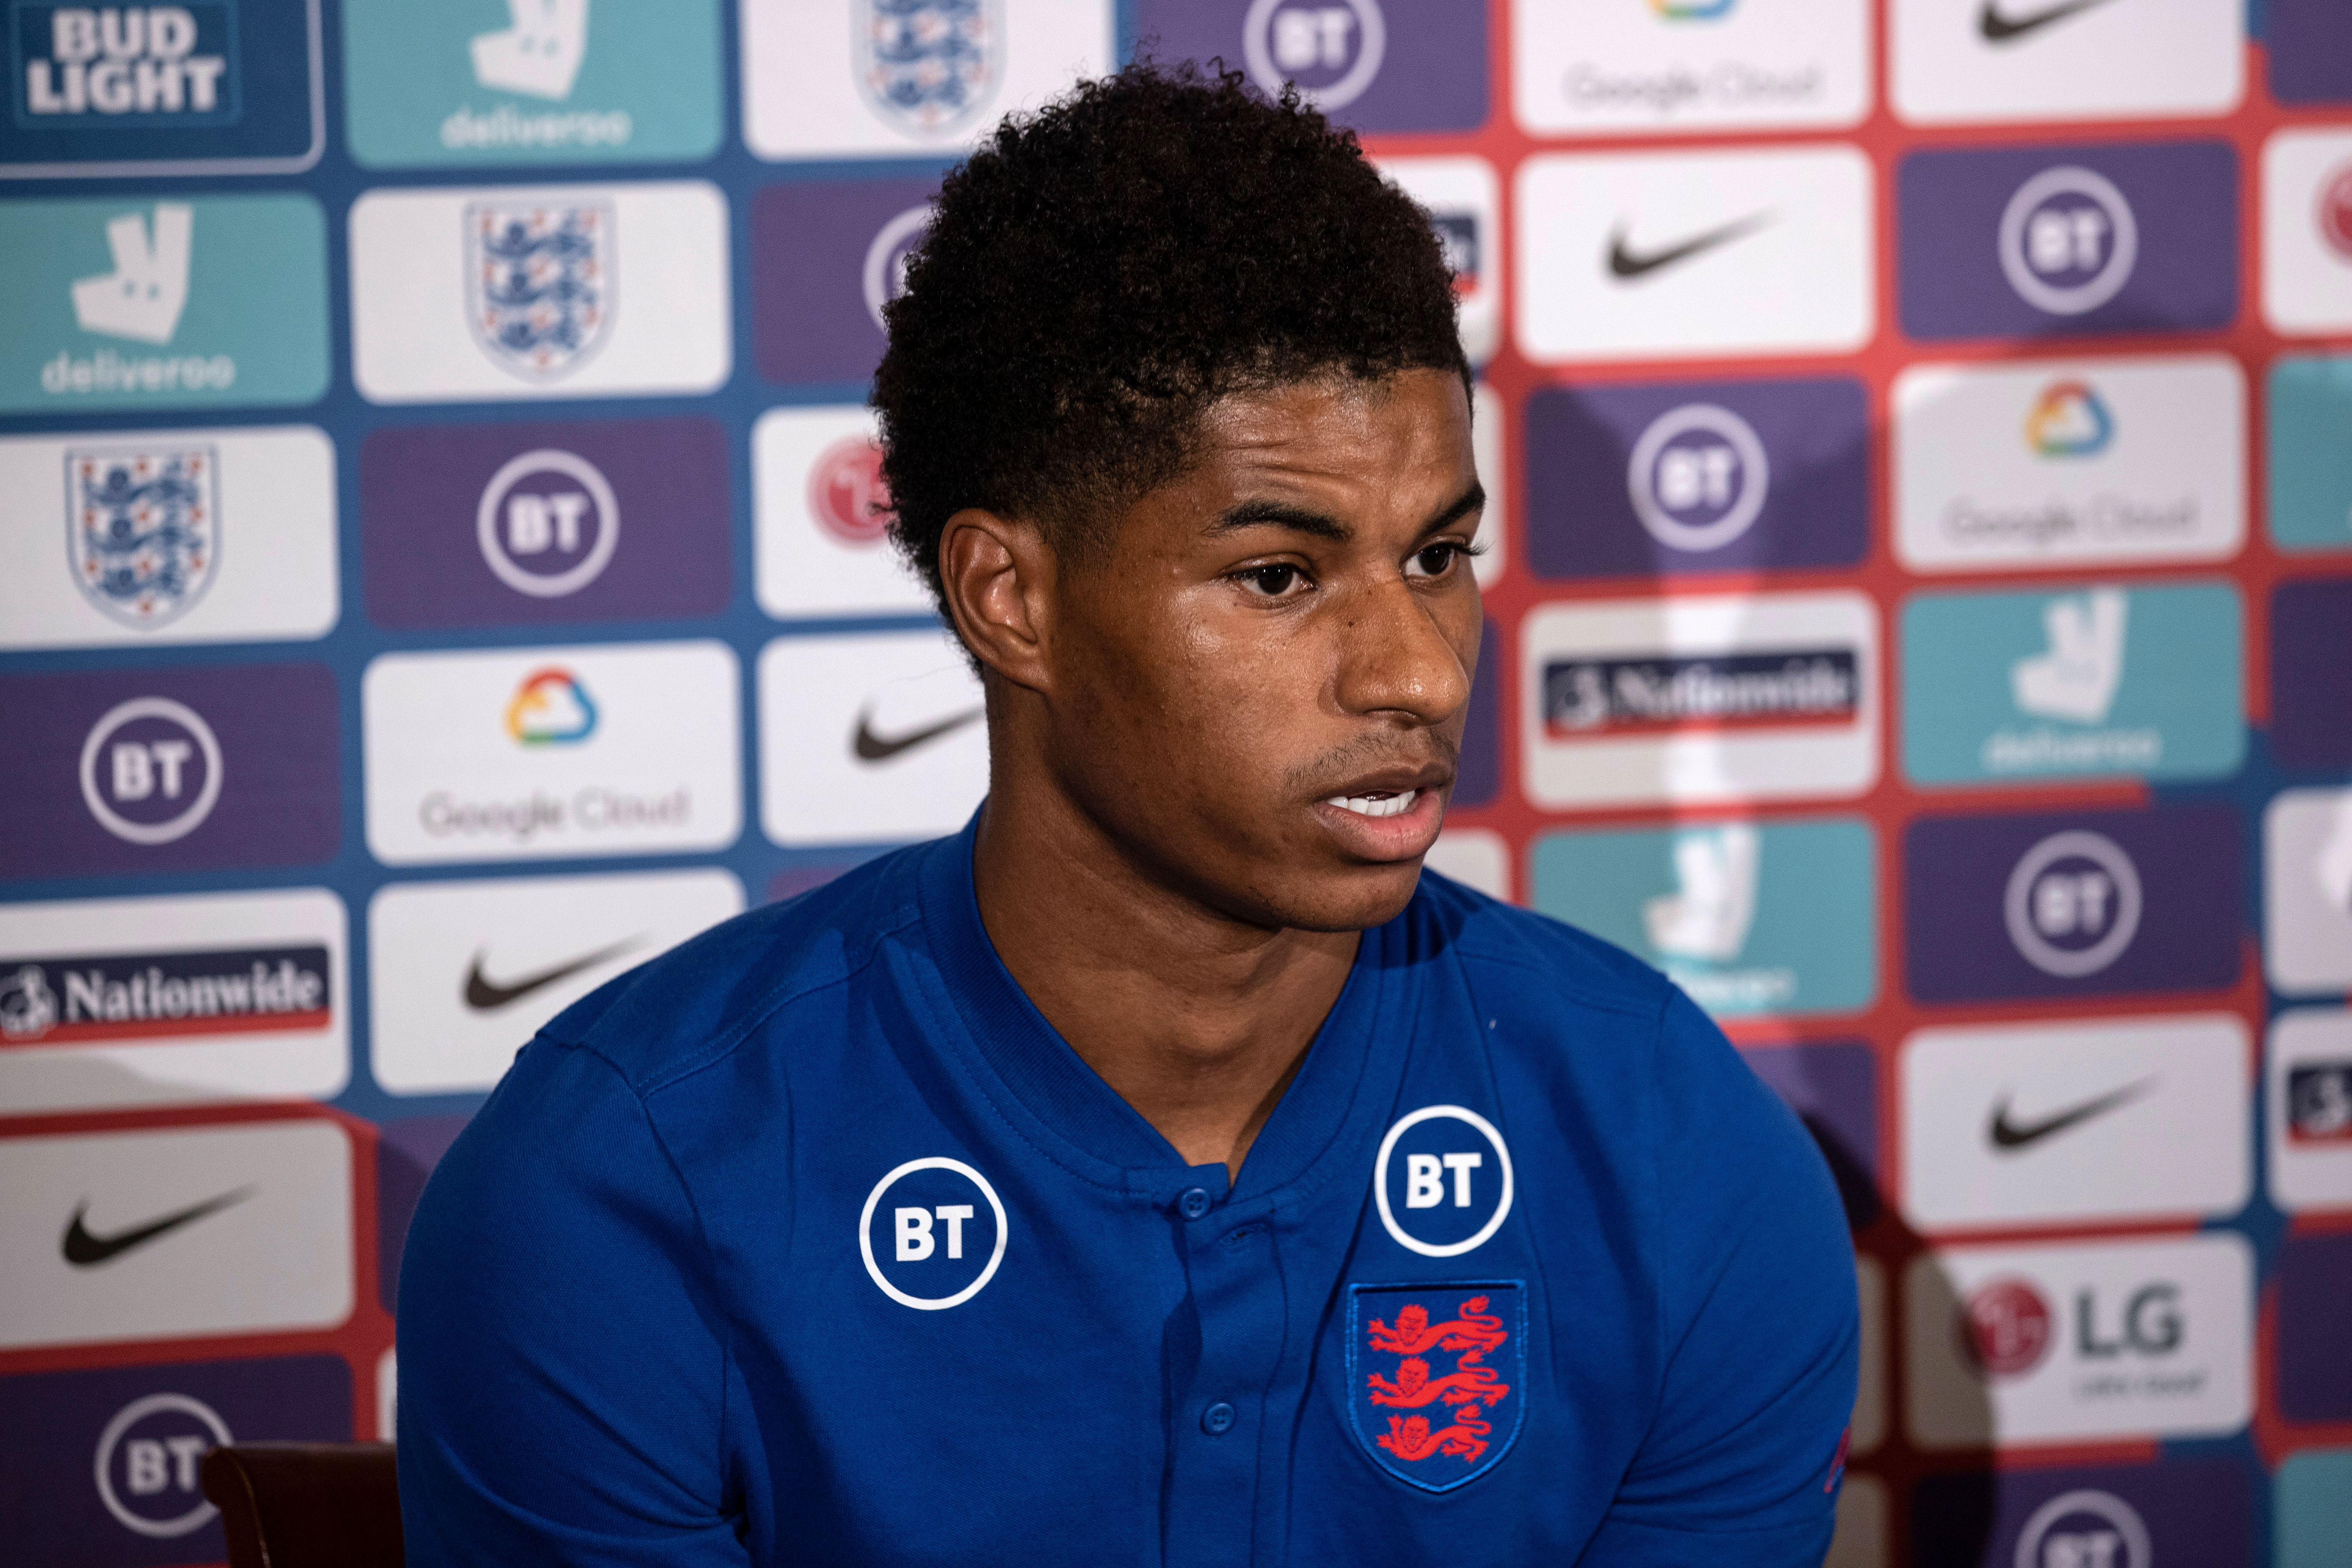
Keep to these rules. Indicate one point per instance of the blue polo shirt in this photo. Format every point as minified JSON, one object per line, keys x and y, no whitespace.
{"x":811,"y":1242}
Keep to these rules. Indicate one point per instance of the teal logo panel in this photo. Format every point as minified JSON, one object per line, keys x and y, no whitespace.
{"x":186,"y":302}
{"x":454,"y":83}
{"x":1752,"y":918}
{"x":2311,"y":453}
{"x":2089,"y":681}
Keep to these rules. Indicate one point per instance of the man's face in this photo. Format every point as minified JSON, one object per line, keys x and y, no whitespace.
{"x":1258,"y":689}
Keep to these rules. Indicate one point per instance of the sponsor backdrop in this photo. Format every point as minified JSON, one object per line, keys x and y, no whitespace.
{"x":438,"y":570}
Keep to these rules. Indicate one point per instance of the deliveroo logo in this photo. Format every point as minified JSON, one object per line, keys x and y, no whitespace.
{"x":141,"y":298}
{"x":540,"y":54}
{"x":1709,"y":917}
{"x":2076,"y":679}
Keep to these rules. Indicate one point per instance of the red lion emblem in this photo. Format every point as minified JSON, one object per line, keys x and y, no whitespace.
{"x":1473,"y":1333}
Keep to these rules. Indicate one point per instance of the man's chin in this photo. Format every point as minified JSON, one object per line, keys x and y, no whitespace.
{"x":1357,"y":897}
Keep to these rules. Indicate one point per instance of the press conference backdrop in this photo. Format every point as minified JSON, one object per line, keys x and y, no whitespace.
{"x":438,"y":572}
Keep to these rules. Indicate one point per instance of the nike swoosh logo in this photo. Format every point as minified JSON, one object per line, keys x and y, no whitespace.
{"x":1999,"y":29}
{"x":483,"y":993}
{"x":872,"y":748}
{"x":1626,"y":263}
{"x":84,"y":1250}
{"x":2010,"y":1136}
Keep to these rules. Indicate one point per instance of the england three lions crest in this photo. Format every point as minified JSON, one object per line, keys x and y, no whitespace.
{"x":928,"y":66}
{"x":1437,"y":1377}
{"x":540,"y":283}
{"x":142,"y":528}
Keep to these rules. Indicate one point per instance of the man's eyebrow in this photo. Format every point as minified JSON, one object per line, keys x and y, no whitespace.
{"x":1469,"y":502}
{"x":1322,"y":525}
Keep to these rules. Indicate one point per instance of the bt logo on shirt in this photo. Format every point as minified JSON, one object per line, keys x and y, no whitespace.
{"x":925,"y":1253}
{"x":1442,"y":1182}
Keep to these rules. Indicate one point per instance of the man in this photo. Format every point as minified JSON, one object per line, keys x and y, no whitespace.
{"x":1165,"y":1170}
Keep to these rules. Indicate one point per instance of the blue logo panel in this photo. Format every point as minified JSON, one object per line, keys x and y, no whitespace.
{"x":1437,"y":1377}
{"x":2081,"y":682}
{"x":2311,"y":453}
{"x":199,"y":87}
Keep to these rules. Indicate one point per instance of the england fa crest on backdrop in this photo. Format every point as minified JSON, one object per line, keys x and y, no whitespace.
{"x":928,"y":66}
{"x":143,"y":529}
{"x":540,"y":283}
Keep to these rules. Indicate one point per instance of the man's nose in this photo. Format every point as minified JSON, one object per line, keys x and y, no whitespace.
{"x":1397,"y":658}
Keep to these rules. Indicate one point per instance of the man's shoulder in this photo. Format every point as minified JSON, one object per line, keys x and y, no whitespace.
{"x":692,"y":1004}
{"x":1544,"y":960}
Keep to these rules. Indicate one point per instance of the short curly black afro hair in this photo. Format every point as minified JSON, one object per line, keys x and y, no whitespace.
{"x":1100,"y":272}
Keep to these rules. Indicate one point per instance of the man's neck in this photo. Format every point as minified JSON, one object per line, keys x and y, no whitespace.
{"x":1196,"y":1020}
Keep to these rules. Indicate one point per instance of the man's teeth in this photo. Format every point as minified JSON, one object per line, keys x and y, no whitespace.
{"x":1376,"y":805}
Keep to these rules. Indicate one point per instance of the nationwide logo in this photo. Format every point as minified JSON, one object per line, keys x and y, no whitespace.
{"x":129,"y":996}
{"x":928,"y":66}
{"x":147,"y":66}
{"x":537,"y":55}
{"x":1437,"y":1377}
{"x":1627,"y":263}
{"x":1998,"y":27}
{"x":548,"y":523}
{"x":1458,"y":239}
{"x":2335,"y":211}
{"x":2319,"y":1104}
{"x":551,"y":707}
{"x":847,"y":495}
{"x":142,"y":528}
{"x":2068,"y":240}
{"x":2070,"y":419}
{"x":1608,"y":697}
{"x":1698,"y":477}
{"x":2006,"y":1328}
{"x":1331,"y":52}
{"x":150,"y":769}
{"x":2072,"y":903}
{"x":147,"y":1464}
{"x":540,"y":283}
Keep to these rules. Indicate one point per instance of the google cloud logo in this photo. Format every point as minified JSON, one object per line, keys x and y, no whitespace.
{"x":551,"y":707}
{"x":1691,"y":10}
{"x":2070,"y":419}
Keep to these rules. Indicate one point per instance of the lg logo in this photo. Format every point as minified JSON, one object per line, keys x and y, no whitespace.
{"x":2068,"y":241}
{"x":2084,"y":1530}
{"x":547,"y":523}
{"x":147,"y":1460}
{"x":940,"y":1253}
{"x":1331,"y":51}
{"x":1454,"y":1197}
{"x":846,"y":494}
{"x":150,"y":771}
{"x":2073,"y":904}
{"x":1697,"y":476}
{"x":2008,"y":1328}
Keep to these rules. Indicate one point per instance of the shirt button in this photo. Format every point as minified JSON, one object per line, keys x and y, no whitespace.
{"x":1217,"y":1419}
{"x":1195,"y":1203}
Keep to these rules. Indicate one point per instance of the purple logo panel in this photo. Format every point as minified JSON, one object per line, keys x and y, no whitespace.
{"x":2121,"y":1516}
{"x":1374,"y":65}
{"x":1833,"y":1088}
{"x":1697,"y":476}
{"x":826,"y":254}
{"x":2059,"y":241}
{"x":169,"y":770}
{"x":2310,"y":51}
{"x":2077,"y":904}
{"x":2315,"y":1354}
{"x":104,"y":1463}
{"x":1478,"y":776}
{"x":404,"y":1157}
{"x":486,"y":525}
{"x":2311,"y":674}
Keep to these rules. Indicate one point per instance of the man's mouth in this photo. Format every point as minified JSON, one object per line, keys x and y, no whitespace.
{"x":1378,"y":803}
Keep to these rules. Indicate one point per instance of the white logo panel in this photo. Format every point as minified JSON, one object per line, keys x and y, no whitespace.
{"x":175,"y":1232}
{"x":1700,"y":700}
{"x":823,"y":547}
{"x":2309,"y":1077}
{"x":637,"y":297}
{"x":2059,"y":461}
{"x":173,"y":1001}
{"x":1955,"y":62}
{"x":2308,"y":890}
{"x":1675,"y":255}
{"x":1464,"y":201}
{"x":1474,"y":856}
{"x":1488,"y":449}
{"x":130,"y":537}
{"x":815,"y":85}
{"x":2079,"y":1343}
{"x":2013,"y":1125}
{"x":1597,"y":66}
{"x":2307,"y":231}
{"x":534,"y":753}
{"x":869,"y":738}
{"x":462,"y":974}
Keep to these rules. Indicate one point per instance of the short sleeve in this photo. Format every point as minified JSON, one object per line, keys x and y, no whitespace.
{"x":1759,"y":1327}
{"x":562,"y":1384}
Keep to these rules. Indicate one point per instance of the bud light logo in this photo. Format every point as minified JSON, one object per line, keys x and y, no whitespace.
{"x":2068,"y":240}
{"x":548,"y":523}
{"x":2073,"y":904}
{"x":1442,"y":1181}
{"x":1697,"y":477}
{"x":126,"y":64}
{"x":147,"y":1464}
{"x":2007,"y":1327}
{"x":1331,"y":50}
{"x":846,"y":494}
{"x":143,"y":530}
{"x":150,"y":771}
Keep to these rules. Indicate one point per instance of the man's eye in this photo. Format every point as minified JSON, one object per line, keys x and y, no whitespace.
{"x":1436,"y":560}
{"x":1273,"y":582}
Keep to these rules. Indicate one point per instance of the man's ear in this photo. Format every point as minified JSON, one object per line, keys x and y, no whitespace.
{"x":999,"y":576}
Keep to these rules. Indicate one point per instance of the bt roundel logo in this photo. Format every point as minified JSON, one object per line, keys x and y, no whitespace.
{"x":885,"y":277}
{"x":547,"y":523}
{"x":2073,"y":904}
{"x":150,"y":769}
{"x":2336,"y":211}
{"x":1442,"y":1182}
{"x":2007,"y":1327}
{"x":1697,"y":476}
{"x":2068,"y":240}
{"x":147,"y":1460}
{"x":846,"y":494}
{"x":2084,"y":1529}
{"x":1331,"y":49}
{"x":933,"y":1234}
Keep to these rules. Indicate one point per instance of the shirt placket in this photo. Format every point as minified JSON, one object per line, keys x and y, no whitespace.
{"x":1237,"y":1292}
